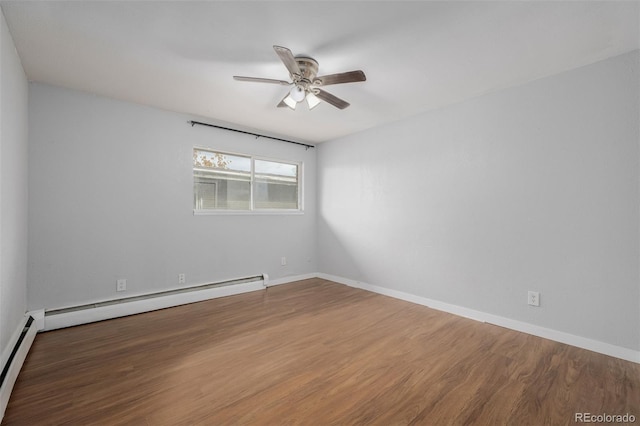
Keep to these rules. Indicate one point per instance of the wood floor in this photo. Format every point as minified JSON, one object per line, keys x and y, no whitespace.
{"x":313,"y":353}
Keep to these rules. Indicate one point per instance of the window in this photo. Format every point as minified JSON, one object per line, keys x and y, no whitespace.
{"x":275,"y":185}
{"x":232,"y":182}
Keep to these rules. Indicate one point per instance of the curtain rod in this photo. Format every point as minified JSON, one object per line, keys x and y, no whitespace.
{"x":193,"y":123}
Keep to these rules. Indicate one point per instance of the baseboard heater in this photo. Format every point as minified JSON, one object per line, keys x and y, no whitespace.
{"x":91,"y":312}
{"x":14,"y":362}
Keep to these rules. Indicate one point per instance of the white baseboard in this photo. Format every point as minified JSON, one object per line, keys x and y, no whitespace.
{"x":100,"y":313}
{"x":18,"y":359}
{"x":286,"y":280}
{"x":38,"y":317}
{"x":547,"y":333}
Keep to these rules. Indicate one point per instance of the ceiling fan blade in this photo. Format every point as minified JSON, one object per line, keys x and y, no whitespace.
{"x":261,"y":80}
{"x":344,"y":77}
{"x":333,"y":100}
{"x":287,"y":59}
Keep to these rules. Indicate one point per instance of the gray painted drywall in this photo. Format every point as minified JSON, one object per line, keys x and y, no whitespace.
{"x":110,"y":197}
{"x":13,"y":188}
{"x":531,"y":188}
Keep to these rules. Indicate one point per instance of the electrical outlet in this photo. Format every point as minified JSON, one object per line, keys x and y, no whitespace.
{"x":121,"y":285}
{"x":181,"y":279}
{"x":533,"y":298}
{"x":283,"y":261}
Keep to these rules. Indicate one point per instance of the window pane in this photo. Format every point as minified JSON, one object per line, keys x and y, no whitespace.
{"x":276,"y":185}
{"x":218,"y":161}
{"x":221,"y":181}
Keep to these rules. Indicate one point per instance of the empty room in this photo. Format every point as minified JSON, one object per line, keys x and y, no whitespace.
{"x":319,"y":212}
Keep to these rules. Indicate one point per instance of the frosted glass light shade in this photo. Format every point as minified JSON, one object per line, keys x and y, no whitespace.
{"x":297,"y":93}
{"x":312,"y":100}
{"x":290,"y":102}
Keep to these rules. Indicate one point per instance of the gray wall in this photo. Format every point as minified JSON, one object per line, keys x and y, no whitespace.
{"x":531,"y":188}
{"x":111,"y":192}
{"x":13,"y":188}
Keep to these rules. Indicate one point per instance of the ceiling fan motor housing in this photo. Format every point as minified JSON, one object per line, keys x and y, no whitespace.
{"x":308,"y":71}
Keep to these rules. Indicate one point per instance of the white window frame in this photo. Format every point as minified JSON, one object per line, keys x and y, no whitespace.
{"x":252,"y":210}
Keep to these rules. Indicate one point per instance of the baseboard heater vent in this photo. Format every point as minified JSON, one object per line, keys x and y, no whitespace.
{"x":5,"y":370}
{"x":154,"y":295}
{"x":15,"y":360}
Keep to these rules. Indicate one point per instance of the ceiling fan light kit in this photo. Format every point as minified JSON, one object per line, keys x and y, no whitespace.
{"x":312,"y":100}
{"x":305,"y":84}
{"x":297,"y":93}
{"x":288,"y":101}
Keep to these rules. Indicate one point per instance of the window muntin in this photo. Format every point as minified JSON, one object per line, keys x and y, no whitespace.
{"x":233,"y":182}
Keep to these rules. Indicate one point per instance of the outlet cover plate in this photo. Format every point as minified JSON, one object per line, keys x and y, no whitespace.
{"x":121,"y":284}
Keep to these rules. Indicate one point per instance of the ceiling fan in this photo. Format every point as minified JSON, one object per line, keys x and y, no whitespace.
{"x":305,"y":84}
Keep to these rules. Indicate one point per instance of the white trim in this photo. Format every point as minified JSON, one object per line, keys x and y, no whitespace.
{"x":68,"y":319}
{"x":18,"y":360}
{"x":535,"y":330}
{"x":290,"y":279}
{"x":6,"y":352}
{"x":259,"y":212}
{"x":252,"y":210}
{"x":38,"y":318}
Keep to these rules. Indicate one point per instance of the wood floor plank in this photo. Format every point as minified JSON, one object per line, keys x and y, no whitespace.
{"x":312,"y":352}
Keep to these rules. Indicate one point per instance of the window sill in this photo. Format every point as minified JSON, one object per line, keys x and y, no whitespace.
{"x":247,"y":212}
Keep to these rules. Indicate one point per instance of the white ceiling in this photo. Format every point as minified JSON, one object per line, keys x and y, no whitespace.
{"x":417,"y":56}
